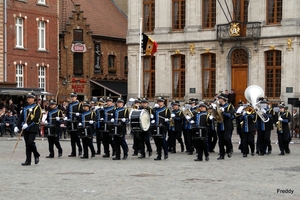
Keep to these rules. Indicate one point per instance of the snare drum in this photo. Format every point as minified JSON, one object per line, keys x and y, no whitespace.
{"x":199,"y":132}
{"x":50,"y":130}
{"x":85,"y":131}
{"x":72,"y":125}
{"x":139,"y":120}
{"x":116,"y":129}
{"x":156,"y":130}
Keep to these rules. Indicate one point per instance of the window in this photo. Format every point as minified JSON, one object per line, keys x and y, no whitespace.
{"x":240,"y":10}
{"x":149,"y":15}
{"x":209,"y":13}
{"x":126,"y":65}
{"x":178,"y":72}
{"x":208,"y":75}
{"x":78,"y":35}
{"x":274,"y":11}
{"x":111,"y":64}
{"x":42,"y":1}
{"x":19,"y":32}
{"x":178,"y":10}
{"x":19,"y":75}
{"x":273,"y":74}
{"x":42,"y":35}
{"x":78,"y":64}
{"x":149,"y":77}
{"x":42,"y":77}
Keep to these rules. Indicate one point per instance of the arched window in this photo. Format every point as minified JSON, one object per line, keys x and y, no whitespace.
{"x":149,"y":77}
{"x":273,"y":74}
{"x":208,"y":61}
{"x":178,"y":76}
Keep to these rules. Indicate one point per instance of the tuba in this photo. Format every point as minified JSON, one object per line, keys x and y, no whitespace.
{"x":252,"y":94}
{"x":217,"y":113}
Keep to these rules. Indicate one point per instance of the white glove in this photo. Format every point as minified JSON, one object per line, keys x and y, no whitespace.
{"x":101,"y":119}
{"x":30,"y":109}
{"x":166,"y":120}
{"x":153,"y":121}
{"x":214,"y":105}
{"x":240,"y":109}
{"x":188,"y":117}
{"x":57,"y":118}
{"x":45,"y":122}
{"x":263,"y":111}
{"x":62,"y":125}
{"x":77,"y":114}
{"x":156,"y":105}
{"x":123,"y":120}
{"x":183,"y":109}
{"x":222,"y":109}
{"x":16,"y":130}
{"x":280,"y":119}
{"x":244,"y":113}
{"x":151,"y":116}
{"x":211,"y":117}
{"x":91,"y":121}
{"x":192,"y":121}
{"x":112,"y":120}
{"x":65,"y":118}
{"x":172,"y":115}
{"x":24,"y":126}
{"x":80,"y":124}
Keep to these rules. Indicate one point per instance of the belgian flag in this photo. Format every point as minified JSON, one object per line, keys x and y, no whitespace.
{"x":149,"y":45}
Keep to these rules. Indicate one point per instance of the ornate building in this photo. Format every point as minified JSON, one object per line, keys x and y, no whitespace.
{"x":205,"y":46}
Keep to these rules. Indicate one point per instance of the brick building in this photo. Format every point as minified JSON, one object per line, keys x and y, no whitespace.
{"x":93,"y":51}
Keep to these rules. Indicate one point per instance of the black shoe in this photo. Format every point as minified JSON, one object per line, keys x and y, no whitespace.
{"x":134,"y":154}
{"x":113,"y":154}
{"x":207,"y":158}
{"x":166,"y":156}
{"x":190,"y":153}
{"x":281,"y":154}
{"x":116,"y":158}
{"x":174,"y":151}
{"x":72,"y":155}
{"x":211,"y":151}
{"x":36,"y":160}
{"x":157,"y":158}
{"x":261,"y":154}
{"x":229,"y":154}
{"x":150,"y":153}
{"x":288,"y":151}
{"x":125,"y":157}
{"x":84,"y":157}
{"x":26,"y":163}
{"x":80,"y":153}
{"x":65,"y":137}
{"x":252,"y":154}
{"x":221,"y":158}
{"x":105,"y":156}
{"x":60,"y":154}
{"x":50,"y":156}
{"x":98,"y":153}
{"x":244,"y":155}
{"x":257,"y":152}
{"x":93,"y":155}
{"x":269,"y":152}
{"x":142,"y":156}
{"x":197,"y":159}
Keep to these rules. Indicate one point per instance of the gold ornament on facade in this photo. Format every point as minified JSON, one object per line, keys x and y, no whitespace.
{"x":192,"y":49}
{"x":207,"y":50}
{"x":289,"y":43}
{"x":272,"y":47}
{"x":234,"y":29}
{"x":177,"y":51}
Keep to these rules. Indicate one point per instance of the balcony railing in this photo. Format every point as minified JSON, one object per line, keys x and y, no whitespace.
{"x":246,"y":30}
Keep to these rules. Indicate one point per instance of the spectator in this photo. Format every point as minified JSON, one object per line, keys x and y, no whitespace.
{"x":11,"y":105}
{"x":9,"y":121}
{"x":295,"y":123}
{"x":231,"y":97}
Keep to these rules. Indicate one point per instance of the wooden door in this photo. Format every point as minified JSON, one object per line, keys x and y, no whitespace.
{"x":239,"y":74}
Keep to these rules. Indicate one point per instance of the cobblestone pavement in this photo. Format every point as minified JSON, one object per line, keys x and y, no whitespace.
{"x":178,"y":177}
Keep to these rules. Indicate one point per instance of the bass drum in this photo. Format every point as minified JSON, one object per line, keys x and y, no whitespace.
{"x":139,"y":120}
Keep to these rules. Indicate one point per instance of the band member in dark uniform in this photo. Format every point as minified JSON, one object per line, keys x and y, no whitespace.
{"x":212,"y":134}
{"x":73,"y":114}
{"x":225,"y":128}
{"x":161,"y":117}
{"x":87,"y":122}
{"x":239,"y":130}
{"x":54,"y":117}
{"x":283,"y":129}
{"x":248,"y":120}
{"x":264,"y":129}
{"x":175,"y":127}
{"x":120,"y":116}
{"x":99,"y":110}
{"x":135,"y":134}
{"x":200,"y":123}
{"x":145,"y":135}
{"x":29,"y":121}
{"x":107,"y":137}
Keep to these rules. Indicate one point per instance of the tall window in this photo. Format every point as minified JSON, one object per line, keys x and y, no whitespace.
{"x":78,"y":35}
{"x":274,"y":11}
{"x":149,"y":15}
{"x":273,"y":73}
{"x":78,"y":64}
{"x":111,"y":64}
{"x":42,"y":77}
{"x":178,"y":11}
{"x":19,"y":32}
{"x":149,"y":77}
{"x":42,"y":35}
{"x":208,"y":75}
{"x":209,"y":13}
{"x":178,"y":72}
{"x":19,"y":75}
{"x":240,"y":10}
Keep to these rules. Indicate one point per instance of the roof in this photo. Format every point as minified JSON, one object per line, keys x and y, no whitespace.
{"x":103,"y":16}
{"x":117,"y":87}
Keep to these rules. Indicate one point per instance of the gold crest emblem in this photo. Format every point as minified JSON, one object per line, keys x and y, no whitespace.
{"x":234,"y":29}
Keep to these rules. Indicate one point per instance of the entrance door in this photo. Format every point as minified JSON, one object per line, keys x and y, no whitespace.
{"x":239,"y":74}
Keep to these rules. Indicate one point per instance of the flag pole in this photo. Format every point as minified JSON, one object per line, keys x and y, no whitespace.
{"x":140,"y":59}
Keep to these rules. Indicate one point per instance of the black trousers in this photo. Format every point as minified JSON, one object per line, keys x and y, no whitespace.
{"x":160,"y":143}
{"x":144,"y":139}
{"x":99,"y":138}
{"x":29,"y":138}
{"x":107,"y":140}
{"x":248,"y":141}
{"x":212,"y":139}
{"x":201,"y":147}
{"x":120,"y":142}
{"x":136,"y":142}
{"x":75,"y":140}
{"x":87,"y":142}
{"x":224,"y":141}
{"x":173,"y":136}
{"x":54,"y":140}
{"x":264,"y":141}
{"x":283,"y":142}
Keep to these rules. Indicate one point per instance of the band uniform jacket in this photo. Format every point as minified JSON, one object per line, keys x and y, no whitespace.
{"x":200,"y":119}
{"x":210,"y":123}
{"x":108,"y":113}
{"x":228,"y":116}
{"x":32,"y":118}
{"x":85,"y":119}
{"x":118,"y":115}
{"x":266,"y":126}
{"x":51,"y":118}
{"x":73,"y":108}
{"x":248,"y":122}
{"x":286,"y":119}
{"x":178,"y":120}
{"x":99,"y":118}
{"x":160,"y":114}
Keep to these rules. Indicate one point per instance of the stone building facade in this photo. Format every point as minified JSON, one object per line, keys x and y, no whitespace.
{"x":209,"y":46}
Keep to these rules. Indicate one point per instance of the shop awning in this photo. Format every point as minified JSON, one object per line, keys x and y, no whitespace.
{"x":119,"y":88}
{"x":22,"y":91}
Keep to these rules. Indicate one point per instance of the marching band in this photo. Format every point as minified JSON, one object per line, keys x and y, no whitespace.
{"x":202,"y":124}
